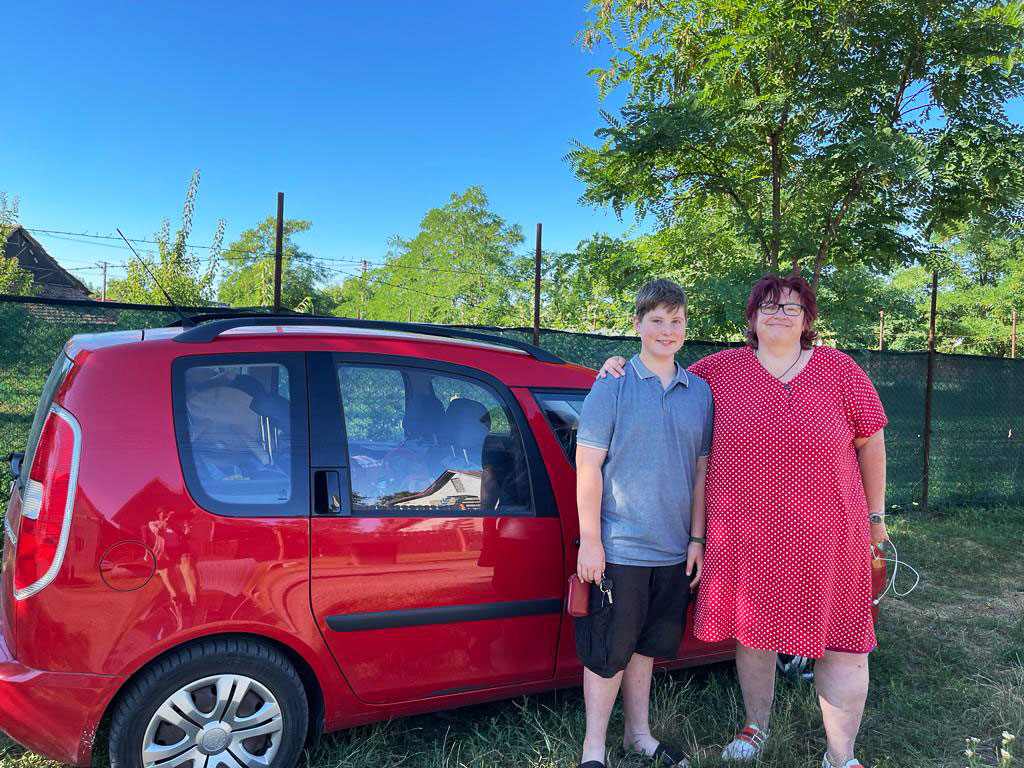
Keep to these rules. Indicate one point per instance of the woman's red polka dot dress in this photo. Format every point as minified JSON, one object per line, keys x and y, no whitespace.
{"x":788,"y":561}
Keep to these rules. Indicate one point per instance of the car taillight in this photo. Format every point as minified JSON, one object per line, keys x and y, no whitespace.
{"x":47,"y":501}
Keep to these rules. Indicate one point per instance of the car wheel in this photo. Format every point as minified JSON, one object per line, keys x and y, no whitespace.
{"x":795,"y":667}
{"x":230,"y":702}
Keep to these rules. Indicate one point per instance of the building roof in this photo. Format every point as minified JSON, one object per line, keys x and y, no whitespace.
{"x":50,"y":278}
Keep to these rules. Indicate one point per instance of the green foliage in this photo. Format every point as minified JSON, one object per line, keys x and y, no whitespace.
{"x":463,"y":266}
{"x":248,"y":279}
{"x":835,"y":133}
{"x":13,"y":278}
{"x":174,"y":269}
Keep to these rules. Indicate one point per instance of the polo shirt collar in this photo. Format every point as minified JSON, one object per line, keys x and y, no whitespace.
{"x":645,"y":373}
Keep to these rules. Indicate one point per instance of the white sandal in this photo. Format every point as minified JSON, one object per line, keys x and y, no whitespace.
{"x":853,"y":762}
{"x":745,"y":745}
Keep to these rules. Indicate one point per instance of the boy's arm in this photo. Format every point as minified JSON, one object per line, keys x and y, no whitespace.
{"x":589,"y":489}
{"x":698,"y":523}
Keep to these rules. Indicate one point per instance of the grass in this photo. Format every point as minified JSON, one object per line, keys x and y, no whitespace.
{"x":950,"y":667}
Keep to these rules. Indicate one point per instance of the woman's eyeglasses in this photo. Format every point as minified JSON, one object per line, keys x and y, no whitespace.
{"x":773,"y":307}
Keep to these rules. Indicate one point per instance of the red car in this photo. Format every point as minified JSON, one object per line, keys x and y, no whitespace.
{"x":226,"y":539}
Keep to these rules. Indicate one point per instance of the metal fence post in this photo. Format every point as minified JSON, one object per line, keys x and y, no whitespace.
{"x":929,"y":387}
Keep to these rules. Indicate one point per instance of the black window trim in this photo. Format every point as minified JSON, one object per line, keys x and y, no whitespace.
{"x":540,"y":484}
{"x":294,"y":362}
{"x":557,"y":391}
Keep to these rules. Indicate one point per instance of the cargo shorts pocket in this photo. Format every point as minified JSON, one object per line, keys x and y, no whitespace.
{"x":592,"y":634}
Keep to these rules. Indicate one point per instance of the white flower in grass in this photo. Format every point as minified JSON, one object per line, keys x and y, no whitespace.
{"x":1007,"y":737}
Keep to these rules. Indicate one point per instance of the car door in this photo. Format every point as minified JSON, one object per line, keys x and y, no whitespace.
{"x":436,"y":547}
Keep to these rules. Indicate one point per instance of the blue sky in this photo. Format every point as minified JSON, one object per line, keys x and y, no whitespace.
{"x":365,"y":114}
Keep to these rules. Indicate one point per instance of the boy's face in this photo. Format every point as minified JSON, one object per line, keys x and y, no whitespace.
{"x":662,"y":330}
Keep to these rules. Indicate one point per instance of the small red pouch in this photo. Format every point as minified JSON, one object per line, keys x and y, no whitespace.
{"x":578,"y":601}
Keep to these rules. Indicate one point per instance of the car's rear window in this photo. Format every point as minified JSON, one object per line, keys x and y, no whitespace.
{"x":241,"y":443}
{"x":562,"y":410}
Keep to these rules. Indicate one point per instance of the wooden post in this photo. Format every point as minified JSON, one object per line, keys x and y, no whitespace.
{"x":103,"y":296}
{"x":929,"y":387}
{"x":536,"y":291}
{"x":279,"y":252}
{"x":881,"y":329}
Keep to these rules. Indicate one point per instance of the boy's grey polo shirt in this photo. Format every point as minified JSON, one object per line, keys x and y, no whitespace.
{"x":653,"y":436}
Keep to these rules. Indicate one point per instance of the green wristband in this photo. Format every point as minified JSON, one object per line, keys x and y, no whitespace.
{"x":698,"y":540}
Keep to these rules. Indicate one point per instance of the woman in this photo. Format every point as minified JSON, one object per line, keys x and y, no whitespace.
{"x":795,"y":497}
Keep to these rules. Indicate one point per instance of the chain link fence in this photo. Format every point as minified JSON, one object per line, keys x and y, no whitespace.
{"x":977,"y":408}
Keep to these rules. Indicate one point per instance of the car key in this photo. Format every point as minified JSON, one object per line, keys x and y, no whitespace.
{"x":606,"y":589}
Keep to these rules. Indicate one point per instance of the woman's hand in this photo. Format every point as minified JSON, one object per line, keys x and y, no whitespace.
{"x":695,"y":560}
{"x":590,"y":561}
{"x":616,"y":366}
{"x":879,"y":534}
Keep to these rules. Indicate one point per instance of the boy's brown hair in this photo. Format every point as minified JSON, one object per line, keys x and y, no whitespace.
{"x":657,"y":293}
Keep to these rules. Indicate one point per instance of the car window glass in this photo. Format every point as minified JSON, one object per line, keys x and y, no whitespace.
{"x":562,"y":410}
{"x":239,"y":431}
{"x":422,"y":441}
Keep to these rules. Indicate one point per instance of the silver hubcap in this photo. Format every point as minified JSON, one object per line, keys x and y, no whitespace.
{"x":224,"y":720}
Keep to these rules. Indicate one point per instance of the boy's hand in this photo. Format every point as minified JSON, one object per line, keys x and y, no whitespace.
{"x":590,"y":561}
{"x":694,"y":560}
{"x":616,"y":366}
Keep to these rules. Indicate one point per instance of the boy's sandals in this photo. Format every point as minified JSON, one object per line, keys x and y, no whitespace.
{"x":851,"y":763}
{"x":745,"y":745}
{"x":665,"y":756}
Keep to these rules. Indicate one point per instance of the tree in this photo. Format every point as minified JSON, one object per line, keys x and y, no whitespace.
{"x":176,"y":270}
{"x":248,"y":280}
{"x":832,"y":133}
{"x":14,"y":279}
{"x":463,"y":266}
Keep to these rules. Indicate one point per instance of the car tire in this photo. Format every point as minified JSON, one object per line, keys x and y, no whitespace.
{"x":795,"y":667}
{"x":222,"y":702}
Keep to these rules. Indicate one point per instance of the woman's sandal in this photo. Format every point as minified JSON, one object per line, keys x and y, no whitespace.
{"x":745,"y":745}
{"x":591,"y":764}
{"x":665,"y":756}
{"x":851,"y":763}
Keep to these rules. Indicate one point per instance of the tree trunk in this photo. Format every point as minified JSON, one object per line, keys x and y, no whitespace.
{"x":773,"y":141}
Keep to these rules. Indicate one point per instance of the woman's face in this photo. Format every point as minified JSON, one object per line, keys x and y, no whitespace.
{"x":781,"y":329}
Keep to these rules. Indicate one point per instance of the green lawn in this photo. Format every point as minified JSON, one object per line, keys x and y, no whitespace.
{"x":950,"y":667}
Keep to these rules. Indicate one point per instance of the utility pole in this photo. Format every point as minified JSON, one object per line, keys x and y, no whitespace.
{"x":362,"y":287}
{"x":103,"y":295}
{"x":279,"y":252}
{"x":536,"y":291}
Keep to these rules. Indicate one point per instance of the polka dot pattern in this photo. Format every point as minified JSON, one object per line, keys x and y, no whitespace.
{"x":788,"y":561}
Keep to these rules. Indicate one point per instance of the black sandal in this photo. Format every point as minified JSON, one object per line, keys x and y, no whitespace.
{"x":591,"y":764}
{"x":665,"y":756}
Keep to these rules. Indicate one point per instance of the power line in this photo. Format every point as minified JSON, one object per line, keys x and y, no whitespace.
{"x":231,"y":253}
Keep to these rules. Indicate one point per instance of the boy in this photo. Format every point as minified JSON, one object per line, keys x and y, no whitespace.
{"x":641,"y":462}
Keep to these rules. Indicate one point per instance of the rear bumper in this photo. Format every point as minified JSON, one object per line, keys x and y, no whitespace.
{"x":54,"y":714}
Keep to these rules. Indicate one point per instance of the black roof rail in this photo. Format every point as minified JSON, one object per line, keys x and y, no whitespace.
{"x":214,"y":327}
{"x":204,"y":317}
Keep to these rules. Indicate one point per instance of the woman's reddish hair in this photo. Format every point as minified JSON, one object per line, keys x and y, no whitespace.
{"x":770,"y":288}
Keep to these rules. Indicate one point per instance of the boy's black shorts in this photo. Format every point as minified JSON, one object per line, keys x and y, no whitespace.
{"x":647,"y":616}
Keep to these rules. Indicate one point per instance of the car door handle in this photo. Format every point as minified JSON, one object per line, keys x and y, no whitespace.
{"x":327,"y":492}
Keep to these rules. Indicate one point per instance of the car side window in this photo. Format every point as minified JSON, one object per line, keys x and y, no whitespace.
{"x":562,"y":410}
{"x":426,"y":442}
{"x":237,"y":440}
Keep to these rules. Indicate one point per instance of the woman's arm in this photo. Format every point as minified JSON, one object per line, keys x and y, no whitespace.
{"x":871,"y":457}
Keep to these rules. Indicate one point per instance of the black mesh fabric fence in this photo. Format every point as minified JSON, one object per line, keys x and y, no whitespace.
{"x":977,"y":450}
